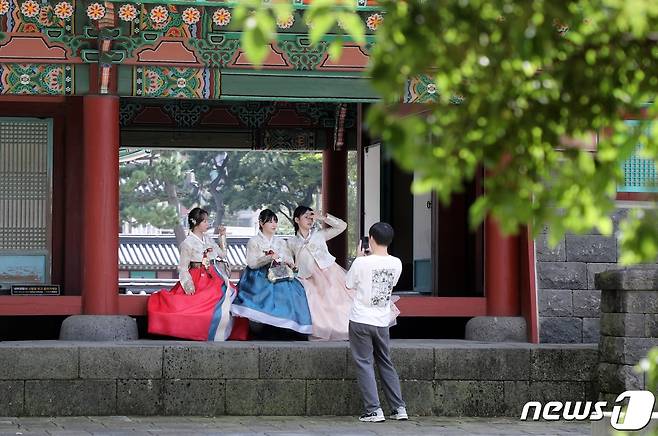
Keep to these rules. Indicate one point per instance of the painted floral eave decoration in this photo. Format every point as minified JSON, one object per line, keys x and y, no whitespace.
{"x":159,"y":12}
{"x":95,"y":11}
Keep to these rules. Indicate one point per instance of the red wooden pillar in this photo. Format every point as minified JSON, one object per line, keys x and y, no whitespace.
{"x":334,"y":197}
{"x":501,"y":274}
{"x":100,"y":206}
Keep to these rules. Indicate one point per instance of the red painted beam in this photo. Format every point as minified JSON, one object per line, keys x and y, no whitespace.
{"x":32,"y":99}
{"x":134,"y":305}
{"x":442,"y":306}
{"x":637,"y":196}
{"x":40,"y":305}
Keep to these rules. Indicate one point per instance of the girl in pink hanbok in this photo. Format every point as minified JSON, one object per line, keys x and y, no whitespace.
{"x":329,"y":300}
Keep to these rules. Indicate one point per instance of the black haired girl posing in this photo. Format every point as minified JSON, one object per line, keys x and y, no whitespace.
{"x":199,"y":306}
{"x":279,"y":303}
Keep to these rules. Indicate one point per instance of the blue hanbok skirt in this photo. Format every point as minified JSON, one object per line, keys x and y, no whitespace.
{"x":281,"y":304}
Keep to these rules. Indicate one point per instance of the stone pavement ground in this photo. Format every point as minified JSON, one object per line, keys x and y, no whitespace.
{"x":281,"y":426}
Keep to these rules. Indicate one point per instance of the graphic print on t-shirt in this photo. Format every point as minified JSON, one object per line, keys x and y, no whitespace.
{"x":382,"y":286}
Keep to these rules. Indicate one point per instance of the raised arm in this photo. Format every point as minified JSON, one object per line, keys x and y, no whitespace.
{"x":217,"y":251}
{"x":336,"y":226}
{"x":222,"y":251}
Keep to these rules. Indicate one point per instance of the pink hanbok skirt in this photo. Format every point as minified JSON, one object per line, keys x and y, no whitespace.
{"x":330,"y":303}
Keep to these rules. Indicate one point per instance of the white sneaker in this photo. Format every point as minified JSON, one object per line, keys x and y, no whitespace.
{"x":400,"y":414}
{"x":376,"y":416}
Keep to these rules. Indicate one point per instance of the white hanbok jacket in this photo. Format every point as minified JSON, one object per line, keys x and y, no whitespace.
{"x":259,"y":244}
{"x":305,"y":251}
{"x":191,"y":250}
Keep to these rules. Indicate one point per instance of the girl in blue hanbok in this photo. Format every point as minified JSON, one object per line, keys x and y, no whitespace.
{"x":280,"y":303}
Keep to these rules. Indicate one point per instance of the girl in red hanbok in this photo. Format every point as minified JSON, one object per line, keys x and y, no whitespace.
{"x":198,"y":307}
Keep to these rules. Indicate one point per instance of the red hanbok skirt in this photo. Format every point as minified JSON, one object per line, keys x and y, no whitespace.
{"x":202,"y":316}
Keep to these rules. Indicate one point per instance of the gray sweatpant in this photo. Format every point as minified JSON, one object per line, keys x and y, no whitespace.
{"x":368,"y":344}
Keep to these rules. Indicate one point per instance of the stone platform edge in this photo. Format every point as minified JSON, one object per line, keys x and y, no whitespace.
{"x":442,"y":378}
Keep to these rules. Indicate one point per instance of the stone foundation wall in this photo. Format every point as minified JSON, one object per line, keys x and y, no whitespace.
{"x":449,"y":378}
{"x":629,"y":327}
{"x":569,"y":302}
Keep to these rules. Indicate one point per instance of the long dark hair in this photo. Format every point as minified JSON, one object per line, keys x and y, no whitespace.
{"x":299,"y":211}
{"x":265,"y":216}
{"x":195,"y":217}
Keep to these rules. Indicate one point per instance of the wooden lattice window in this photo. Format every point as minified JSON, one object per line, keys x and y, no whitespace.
{"x":25,"y":200}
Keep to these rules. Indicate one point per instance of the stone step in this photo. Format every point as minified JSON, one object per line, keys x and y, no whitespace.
{"x":438,"y":377}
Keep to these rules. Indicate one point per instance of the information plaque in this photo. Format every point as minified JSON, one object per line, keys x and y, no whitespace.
{"x":34,"y":289}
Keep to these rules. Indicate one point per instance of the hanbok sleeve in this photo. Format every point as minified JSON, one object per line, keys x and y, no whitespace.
{"x":285,"y":252}
{"x":255,"y":256}
{"x":183,"y":268}
{"x":217,"y":250}
{"x":336,"y":227}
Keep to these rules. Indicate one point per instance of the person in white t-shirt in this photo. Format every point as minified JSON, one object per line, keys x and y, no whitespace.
{"x":373,"y":277}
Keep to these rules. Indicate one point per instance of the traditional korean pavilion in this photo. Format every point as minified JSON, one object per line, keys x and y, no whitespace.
{"x":80,"y":80}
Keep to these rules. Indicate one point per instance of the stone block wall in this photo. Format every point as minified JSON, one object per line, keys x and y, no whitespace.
{"x":569,"y":302}
{"x":629,"y":327}
{"x":446,"y":378}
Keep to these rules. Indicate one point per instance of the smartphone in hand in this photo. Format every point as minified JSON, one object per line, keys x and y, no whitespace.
{"x":365,"y":244}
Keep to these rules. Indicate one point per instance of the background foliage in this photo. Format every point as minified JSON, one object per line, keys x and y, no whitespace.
{"x":523,"y":88}
{"x":159,"y":190}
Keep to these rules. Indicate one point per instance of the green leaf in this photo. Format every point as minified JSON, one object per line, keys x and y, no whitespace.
{"x":258,"y":32}
{"x":320,"y":26}
{"x":335,"y":49}
{"x":354,"y":26}
{"x":282,"y":10}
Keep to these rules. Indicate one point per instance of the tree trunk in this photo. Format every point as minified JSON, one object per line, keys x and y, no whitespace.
{"x":308,"y":196}
{"x":172,"y":199}
{"x":289,"y":215}
{"x":220,"y":210}
{"x":218,"y":194}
